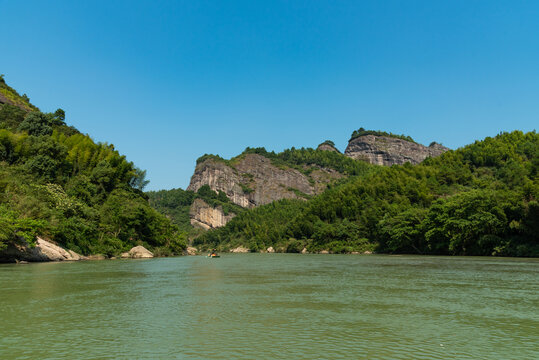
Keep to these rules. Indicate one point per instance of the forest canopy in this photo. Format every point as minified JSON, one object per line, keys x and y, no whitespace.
{"x":61,"y":185}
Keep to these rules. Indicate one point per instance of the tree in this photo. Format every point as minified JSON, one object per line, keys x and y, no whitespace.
{"x":36,"y":124}
{"x":138,"y":181}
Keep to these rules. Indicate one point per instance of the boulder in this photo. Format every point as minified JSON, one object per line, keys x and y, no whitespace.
{"x":140,"y":252}
{"x":43,"y":251}
{"x":324,"y":252}
{"x":240,"y":249}
{"x":368,"y":252}
{"x":270,"y":249}
{"x":304,"y":251}
{"x":191,"y":250}
{"x":124,"y":255}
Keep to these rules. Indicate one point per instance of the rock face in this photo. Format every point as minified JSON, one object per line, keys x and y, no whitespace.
{"x":253,"y":180}
{"x":43,"y":251}
{"x":138,"y":252}
{"x":383,"y":150}
{"x":191,"y":250}
{"x":240,"y":249}
{"x":204,"y":216}
{"x":327,"y":147}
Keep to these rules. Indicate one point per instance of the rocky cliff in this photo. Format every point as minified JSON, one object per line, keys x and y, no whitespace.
{"x":328,"y":146}
{"x":206,"y":217}
{"x":385,"y":150}
{"x":253,"y":180}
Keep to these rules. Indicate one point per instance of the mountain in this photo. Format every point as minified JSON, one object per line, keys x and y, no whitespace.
{"x":253,"y":178}
{"x":258,"y":177}
{"x":60,"y":185}
{"x":481,"y":199}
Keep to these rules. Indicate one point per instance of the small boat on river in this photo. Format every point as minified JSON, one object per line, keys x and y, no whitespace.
{"x":213,"y":254}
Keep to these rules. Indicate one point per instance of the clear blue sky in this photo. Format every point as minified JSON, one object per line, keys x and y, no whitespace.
{"x":167,"y":81}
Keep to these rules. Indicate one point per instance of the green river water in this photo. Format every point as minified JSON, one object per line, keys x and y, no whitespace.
{"x":272,"y":306}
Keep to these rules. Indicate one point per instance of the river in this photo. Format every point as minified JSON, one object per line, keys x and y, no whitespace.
{"x":272,"y":306}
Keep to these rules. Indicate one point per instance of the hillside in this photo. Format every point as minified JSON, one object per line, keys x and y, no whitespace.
{"x":253,"y":178}
{"x":258,"y":177}
{"x":59,"y":184}
{"x":477,"y":200}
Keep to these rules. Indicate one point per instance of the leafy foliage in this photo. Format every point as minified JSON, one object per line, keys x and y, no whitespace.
{"x":58,"y":183}
{"x":175,"y":204}
{"x":478,"y":200}
{"x":362,"y":132}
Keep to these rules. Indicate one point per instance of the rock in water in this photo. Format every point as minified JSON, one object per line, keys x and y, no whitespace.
{"x":43,"y":251}
{"x":140,"y":252}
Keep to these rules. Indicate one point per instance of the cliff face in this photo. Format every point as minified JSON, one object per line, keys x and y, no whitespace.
{"x":253,"y":180}
{"x":204,"y":216}
{"x":383,"y":150}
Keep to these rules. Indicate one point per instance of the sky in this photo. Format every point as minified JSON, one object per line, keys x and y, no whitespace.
{"x":168,"y":81}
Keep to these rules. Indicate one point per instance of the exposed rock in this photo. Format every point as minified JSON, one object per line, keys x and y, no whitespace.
{"x":43,"y":251}
{"x":191,"y":250}
{"x":239,"y":249}
{"x":304,"y":251}
{"x":204,"y":216}
{"x":324,"y":252}
{"x":270,"y":249}
{"x":253,"y":180}
{"x":140,"y":252}
{"x":125,"y":255}
{"x":97,"y":257}
{"x":368,"y":252}
{"x":327,"y":147}
{"x":383,"y":150}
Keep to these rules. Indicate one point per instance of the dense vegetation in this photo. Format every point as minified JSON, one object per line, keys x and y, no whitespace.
{"x":175,"y":204}
{"x":479,"y":200}
{"x":59,"y":184}
{"x":362,"y":132}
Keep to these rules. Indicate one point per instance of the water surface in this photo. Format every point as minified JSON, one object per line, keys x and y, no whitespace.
{"x":272,"y":306}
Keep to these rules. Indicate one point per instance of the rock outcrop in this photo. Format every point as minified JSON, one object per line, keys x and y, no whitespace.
{"x":240,"y":249}
{"x":191,"y":250}
{"x":204,"y":216}
{"x":384,"y":150}
{"x":253,"y":180}
{"x":327,"y":147}
{"x":137,"y":252}
{"x":43,"y":251}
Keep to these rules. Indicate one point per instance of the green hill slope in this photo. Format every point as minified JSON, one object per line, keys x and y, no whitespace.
{"x":59,"y":184}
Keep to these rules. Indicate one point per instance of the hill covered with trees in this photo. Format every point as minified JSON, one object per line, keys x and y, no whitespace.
{"x":481,"y":199}
{"x":61,"y":185}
